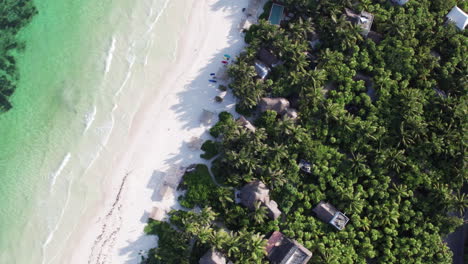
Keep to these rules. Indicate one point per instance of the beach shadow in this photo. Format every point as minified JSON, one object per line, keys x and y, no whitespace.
{"x":200,"y":89}
{"x":155,"y":179}
{"x":144,"y":217}
{"x":135,"y":256}
{"x":188,"y":111}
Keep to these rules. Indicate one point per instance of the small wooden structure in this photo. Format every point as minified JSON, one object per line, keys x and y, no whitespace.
{"x":242,"y":121}
{"x":206,"y":117}
{"x":212,"y":257}
{"x":268,"y":58}
{"x":305,"y":166}
{"x":157,"y":214}
{"x":173,"y":176}
{"x":458,"y":17}
{"x":283,"y":250}
{"x":256,"y":191}
{"x":166,"y":192}
{"x":195,"y":143}
{"x":279,"y":105}
{"x":329,"y":214}
{"x":364,"y":20}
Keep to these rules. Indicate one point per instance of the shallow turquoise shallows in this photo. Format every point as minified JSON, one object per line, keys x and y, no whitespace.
{"x":48,"y":110}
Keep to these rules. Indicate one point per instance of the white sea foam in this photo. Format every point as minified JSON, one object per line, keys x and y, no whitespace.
{"x":158,"y":16}
{"x":51,"y":234}
{"x":55,"y":174}
{"x":110,"y":54}
{"x":89,"y":118}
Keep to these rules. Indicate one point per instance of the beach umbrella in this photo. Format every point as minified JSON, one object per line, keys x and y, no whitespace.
{"x":227,"y":56}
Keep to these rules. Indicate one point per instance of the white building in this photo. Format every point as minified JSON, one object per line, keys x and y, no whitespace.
{"x":458,"y":17}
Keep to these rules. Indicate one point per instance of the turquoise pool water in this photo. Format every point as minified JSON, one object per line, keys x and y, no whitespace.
{"x":276,"y":14}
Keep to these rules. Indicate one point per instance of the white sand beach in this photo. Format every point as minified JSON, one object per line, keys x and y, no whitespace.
{"x":157,"y":142}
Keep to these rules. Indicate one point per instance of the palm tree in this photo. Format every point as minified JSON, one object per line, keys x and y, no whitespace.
{"x":259,"y":215}
{"x":459,"y":202}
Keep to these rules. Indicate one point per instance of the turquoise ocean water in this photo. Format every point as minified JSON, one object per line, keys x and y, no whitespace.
{"x":81,"y":56}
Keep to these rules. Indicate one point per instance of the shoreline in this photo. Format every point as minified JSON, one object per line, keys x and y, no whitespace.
{"x":157,"y":139}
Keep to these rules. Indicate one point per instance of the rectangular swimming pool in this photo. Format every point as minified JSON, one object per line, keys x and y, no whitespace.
{"x":276,"y":14}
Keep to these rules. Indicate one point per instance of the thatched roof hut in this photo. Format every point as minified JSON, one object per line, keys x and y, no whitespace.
{"x":273,"y":210}
{"x":279,"y":105}
{"x":268,"y":58}
{"x":282,"y":250}
{"x":329,"y":214}
{"x":173,"y":176}
{"x":195,"y":143}
{"x":242,"y":121}
{"x":212,"y":257}
{"x":206,"y":117}
{"x":363,"y":20}
{"x":257,"y":191}
{"x":291,"y":113}
{"x":253,"y":192}
{"x":166,"y":192}
{"x":157,"y":214}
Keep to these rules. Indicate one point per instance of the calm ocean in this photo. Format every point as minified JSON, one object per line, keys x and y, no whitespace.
{"x":81,"y":61}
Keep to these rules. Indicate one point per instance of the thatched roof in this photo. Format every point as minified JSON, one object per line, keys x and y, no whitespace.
{"x":458,"y":17}
{"x":279,"y":105}
{"x":173,"y":176}
{"x":268,"y":58}
{"x":282,"y":250}
{"x":206,"y":117}
{"x":157,"y":214}
{"x":273,"y":211}
{"x":364,"y":20}
{"x":325,"y":211}
{"x":329,"y":214}
{"x":195,"y":143}
{"x":253,"y":192}
{"x":257,"y":191}
{"x":212,"y":257}
{"x":166,"y":192}
{"x":291,"y":113}
{"x":242,"y":121}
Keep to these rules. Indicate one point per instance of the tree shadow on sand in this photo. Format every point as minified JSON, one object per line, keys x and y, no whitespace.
{"x":188,"y":111}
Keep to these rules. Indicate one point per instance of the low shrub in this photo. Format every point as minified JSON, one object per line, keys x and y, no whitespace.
{"x":210,"y":148}
{"x":199,"y":186}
